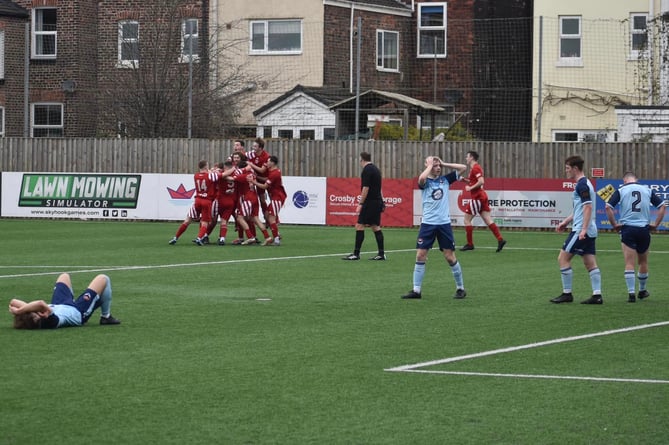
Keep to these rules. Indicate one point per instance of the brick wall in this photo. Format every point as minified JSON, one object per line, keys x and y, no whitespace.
{"x":453,"y":72}
{"x":11,"y":88}
{"x":75,"y":61}
{"x":87,"y":52}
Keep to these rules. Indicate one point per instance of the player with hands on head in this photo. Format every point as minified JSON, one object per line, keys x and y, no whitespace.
{"x":64,"y":310}
{"x":436,"y":223}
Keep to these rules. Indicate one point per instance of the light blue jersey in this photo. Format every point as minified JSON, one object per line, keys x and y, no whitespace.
{"x":436,"y":209}
{"x":635,"y":200}
{"x":67,"y":315}
{"x":584,"y":193}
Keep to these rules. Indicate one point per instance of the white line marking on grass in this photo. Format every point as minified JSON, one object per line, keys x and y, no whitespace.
{"x":89,"y":269}
{"x":98,"y":269}
{"x":538,"y":376}
{"x":415,"y":367}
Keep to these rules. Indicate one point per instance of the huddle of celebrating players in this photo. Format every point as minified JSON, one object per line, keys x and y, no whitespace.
{"x":241,"y":187}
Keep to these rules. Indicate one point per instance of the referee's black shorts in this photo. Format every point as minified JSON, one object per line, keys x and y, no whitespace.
{"x":370,"y":214}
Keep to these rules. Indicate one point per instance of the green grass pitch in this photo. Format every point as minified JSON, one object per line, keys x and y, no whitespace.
{"x":291,"y":345}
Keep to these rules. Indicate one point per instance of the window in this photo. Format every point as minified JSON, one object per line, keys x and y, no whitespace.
{"x":285,"y":134}
{"x":638,"y":35}
{"x":2,"y":54}
{"x":583,"y":136}
{"x":276,"y":37}
{"x":189,"y":40}
{"x":329,"y":134}
{"x":2,"y":122}
{"x":387,"y":50}
{"x":47,"y":120}
{"x":128,"y":43}
{"x":267,"y":132}
{"x":308,"y":134}
{"x":431,"y":29}
{"x":570,"y":39}
{"x":565,"y":136}
{"x":44,"y":33}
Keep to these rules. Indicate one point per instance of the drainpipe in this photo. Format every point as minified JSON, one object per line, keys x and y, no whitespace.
{"x":26,"y":83}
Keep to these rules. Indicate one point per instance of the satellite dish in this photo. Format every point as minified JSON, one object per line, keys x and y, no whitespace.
{"x":69,"y":86}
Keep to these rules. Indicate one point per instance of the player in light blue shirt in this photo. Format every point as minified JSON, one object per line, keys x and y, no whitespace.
{"x":584,"y":199}
{"x":634,"y":201}
{"x":581,"y":239}
{"x":64,"y":310}
{"x":436,"y":223}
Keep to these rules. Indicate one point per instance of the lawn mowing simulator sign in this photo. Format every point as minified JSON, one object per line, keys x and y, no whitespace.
{"x":80,"y":191}
{"x":70,"y":195}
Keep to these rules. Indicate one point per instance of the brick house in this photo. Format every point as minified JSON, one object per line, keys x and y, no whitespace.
{"x":13,"y":20}
{"x":80,"y":53}
{"x":62,"y":78}
{"x":84,"y":66}
{"x":471,"y":75}
{"x":434,"y":52}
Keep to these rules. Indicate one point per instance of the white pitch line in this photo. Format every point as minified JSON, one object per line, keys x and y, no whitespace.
{"x":540,"y":376}
{"x":89,"y":269}
{"x":406,"y":368}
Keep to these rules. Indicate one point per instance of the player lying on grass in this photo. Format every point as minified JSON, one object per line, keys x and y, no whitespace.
{"x":64,"y":310}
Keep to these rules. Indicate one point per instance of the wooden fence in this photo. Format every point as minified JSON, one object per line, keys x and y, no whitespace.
{"x":397,"y":159}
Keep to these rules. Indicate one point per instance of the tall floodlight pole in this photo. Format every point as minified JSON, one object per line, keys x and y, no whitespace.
{"x":357,"y":82}
{"x":434,"y":73}
{"x":539,"y":77}
{"x":190,"y":85}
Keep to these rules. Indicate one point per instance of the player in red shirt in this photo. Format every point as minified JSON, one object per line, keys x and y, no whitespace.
{"x":237,"y":156}
{"x":277,"y":196}
{"x":205,"y":192}
{"x":478,"y":204}
{"x":247,"y":203}
{"x":226,"y":200}
{"x":258,"y":158}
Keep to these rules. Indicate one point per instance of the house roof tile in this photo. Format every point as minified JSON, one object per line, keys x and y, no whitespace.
{"x":384,"y":3}
{"x":326,"y":96}
{"x":10,"y":9}
{"x":393,"y":4}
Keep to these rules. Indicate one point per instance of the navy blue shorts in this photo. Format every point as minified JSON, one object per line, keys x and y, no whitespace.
{"x":443,"y":233}
{"x":576,"y":246}
{"x":637,"y":238}
{"x":86,"y":303}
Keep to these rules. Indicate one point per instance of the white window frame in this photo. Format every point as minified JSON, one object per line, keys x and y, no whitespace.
{"x":570,"y":60}
{"x":431,"y":29}
{"x":2,"y":122}
{"x":195,"y":37}
{"x":302,"y":129}
{"x":59,"y":126}
{"x":285,"y":129}
{"x":2,"y":54}
{"x":586,"y":135}
{"x":37,"y":36}
{"x":636,"y":53}
{"x":122,"y":40}
{"x":267,"y":24}
{"x":382,"y":57}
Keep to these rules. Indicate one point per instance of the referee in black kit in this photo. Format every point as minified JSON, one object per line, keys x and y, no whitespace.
{"x":369,"y":208}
